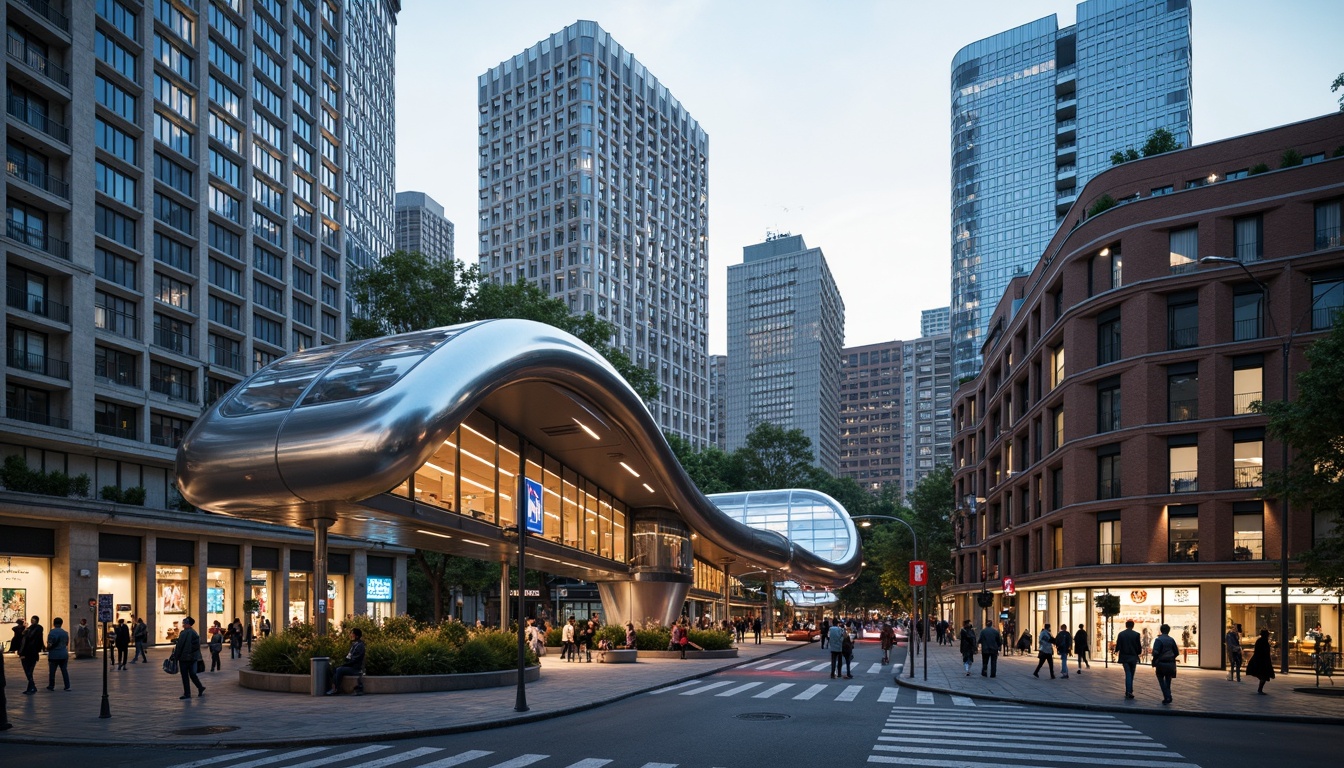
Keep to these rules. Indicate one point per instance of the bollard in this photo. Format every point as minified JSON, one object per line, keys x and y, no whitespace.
{"x":319,"y":671}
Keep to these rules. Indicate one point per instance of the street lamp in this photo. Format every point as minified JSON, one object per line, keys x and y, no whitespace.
{"x":520,"y":533}
{"x":914,"y":551}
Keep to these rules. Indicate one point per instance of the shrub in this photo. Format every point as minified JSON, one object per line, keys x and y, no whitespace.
{"x":399,"y":627}
{"x":1258,"y":168}
{"x":134,"y":495}
{"x":1290,"y":158}
{"x":79,"y":485}
{"x":614,"y":634}
{"x":398,"y":647}
{"x":110,"y":493}
{"x":712,"y":639}
{"x":553,"y":636}
{"x":16,"y":475}
{"x":1103,"y":203}
{"x":653,"y":638}
{"x":279,"y":653}
{"x":454,"y":632}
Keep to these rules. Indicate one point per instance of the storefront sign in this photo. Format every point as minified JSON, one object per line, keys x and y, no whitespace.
{"x":527,"y":593}
{"x":379,"y":589}
{"x":1009,"y":586}
{"x":1042,"y":602}
{"x":104,"y":608}
{"x":533,"y":509}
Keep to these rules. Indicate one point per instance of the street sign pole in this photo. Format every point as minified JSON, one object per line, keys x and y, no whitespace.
{"x":105,"y":616}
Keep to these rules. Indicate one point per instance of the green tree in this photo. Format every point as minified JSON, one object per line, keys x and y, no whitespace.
{"x":1159,"y":142}
{"x":1335,"y":86}
{"x":712,"y":470}
{"x":774,"y":457}
{"x":932,"y":506}
{"x":1312,"y":424}
{"x":432,"y":583}
{"x":1124,"y":157}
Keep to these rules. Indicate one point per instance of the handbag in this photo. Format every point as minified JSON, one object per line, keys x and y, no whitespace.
{"x":170,"y":666}
{"x":200,"y":665}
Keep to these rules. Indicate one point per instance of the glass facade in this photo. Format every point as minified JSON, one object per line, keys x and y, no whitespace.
{"x":1037,"y":111}
{"x":810,"y":519}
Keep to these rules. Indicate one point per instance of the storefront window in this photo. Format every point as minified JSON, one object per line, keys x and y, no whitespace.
{"x":1181,"y":612}
{"x":259,"y":589}
{"x":118,"y":580}
{"x":299,"y":589}
{"x":25,"y":589}
{"x":1314,"y":620}
{"x":173,"y":598}
{"x":378,"y":593}
{"x":1144,"y":608}
{"x":218,"y":596}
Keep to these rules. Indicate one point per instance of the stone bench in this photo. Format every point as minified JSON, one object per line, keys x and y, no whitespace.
{"x":378,"y":684}
{"x":729,"y":653}
{"x":617,"y":656}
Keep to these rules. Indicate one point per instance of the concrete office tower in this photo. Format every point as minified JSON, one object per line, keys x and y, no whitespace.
{"x":870,"y":415}
{"x":594,"y":185}
{"x":786,"y":327}
{"x":926,"y":420}
{"x":422,"y":227}
{"x":718,"y":413}
{"x":1036,"y":112}
{"x":935,"y":322}
{"x":368,"y":123}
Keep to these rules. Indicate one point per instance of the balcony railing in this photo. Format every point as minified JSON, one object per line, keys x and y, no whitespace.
{"x":173,"y":389}
{"x":1248,"y":547}
{"x":1109,"y":554}
{"x":49,"y":13}
{"x":1322,"y":318}
{"x":37,"y":238}
{"x":1066,"y":169}
{"x":1065,"y":124}
{"x":1329,"y":237}
{"x":1182,"y":338}
{"x":21,"y":109}
{"x":1249,"y":328}
{"x":1248,"y":251}
{"x":1181,"y":267}
{"x":172,"y":340}
{"x":226,"y":358}
{"x":1066,"y":193}
{"x":1108,"y":489}
{"x":112,"y":430}
{"x":1241,"y":402}
{"x":19,"y":50}
{"x":169,"y":437}
{"x":39,"y":178}
{"x":1247,"y":477}
{"x":37,"y":304}
{"x":120,"y":323}
{"x":36,"y":417}
{"x":1183,"y":410}
{"x":1185,"y":482}
{"x":34,"y":362}
{"x":122,"y":375}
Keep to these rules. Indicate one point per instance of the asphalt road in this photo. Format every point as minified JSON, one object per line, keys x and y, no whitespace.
{"x":783,"y":711}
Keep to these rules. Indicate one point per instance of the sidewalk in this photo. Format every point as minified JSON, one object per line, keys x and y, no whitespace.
{"x":146,"y":711}
{"x":1196,"y":692}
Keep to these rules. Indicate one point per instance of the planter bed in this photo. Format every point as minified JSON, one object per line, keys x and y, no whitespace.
{"x":270,"y":681}
{"x":730,"y":653}
{"x":617,"y":656}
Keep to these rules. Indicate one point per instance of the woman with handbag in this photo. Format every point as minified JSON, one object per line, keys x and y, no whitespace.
{"x":187,"y":654}
{"x":1261,"y":665}
{"x":1164,"y":660}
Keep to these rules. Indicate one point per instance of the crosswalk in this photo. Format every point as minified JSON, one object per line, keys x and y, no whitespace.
{"x":999,"y":735}
{"x":842,"y":691}
{"x":812,"y":665}
{"x":385,"y":755}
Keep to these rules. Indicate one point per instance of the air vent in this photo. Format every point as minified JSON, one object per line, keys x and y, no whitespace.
{"x":561,"y":430}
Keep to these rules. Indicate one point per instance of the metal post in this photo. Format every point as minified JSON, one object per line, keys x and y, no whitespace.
{"x":320,"y":612}
{"x":504,"y":596}
{"x":520,"y":705}
{"x":106,"y":710}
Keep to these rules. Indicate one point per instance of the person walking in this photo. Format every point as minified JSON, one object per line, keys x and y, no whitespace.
{"x":825,"y":631}
{"x":1024,"y":643}
{"x":236,"y":639}
{"x":631,"y":639}
{"x":248,"y":634}
{"x":1128,"y":649}
{"x":1164,"y":660}
{"x":680,"y":637}
{"x":567,"y":641}
{"x":1261,"y":665}
{"x":188,"y":655}
{"x":58,"y":654}
{"x":30,"y":650}
{"x":84,"y":640}
{"x":991,"y":642}
{"x":265,"y":627}
{"x":140,"y":636}
{"x":19,"y":628}
{"x":121,"y":638}
{"x":967,"y":638}
{"x":1045,"y":652}
{"x":888,"y":639}
{"x":1081,"y":649}
{"x":586,"y":633}
{"x":756,"y":629}
{"x":847,"y":651}
{"x":835,"y":639}
{"x":1064,"y":642}
{"x":1232,"y":641}
{"x":215,"y":644}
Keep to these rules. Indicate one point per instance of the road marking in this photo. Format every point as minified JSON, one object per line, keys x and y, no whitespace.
{"x":924,"y":697}
{"x":457,"y":759}
{"x":659,"y":765}
{"x":913,"y":723}
{"x":704,"y":688}
{"x":809,"y":693}
{"x":850,"y":693}
{"x":979,"y":742}
{"x":933,"y":763}
{"x":392,"y":759}
{"x":220,"y":759}
{"x":874,"y":669}
{"x":772,"y":690}
{"x":962,"y":701}
{"x":772,"y":664}
{"x":284,"y":756}
{"x":522,"y":760}
{"x":591,"y":762}
{"x":799,"y":665}
{"x":896,"y":668}
{"x":336,"y":758}
{"x":674,"y":687}
{"x":822,"y":667}
{"x":888,"y":694}
{"x":991,"y":754}
{"x":738,"y":689}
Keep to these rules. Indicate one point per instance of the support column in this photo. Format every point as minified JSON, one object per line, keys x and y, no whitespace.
{"x":504,"y":596}
{"x":770,"y":604}
{"x":320,"y":607}
{"x":727,"y":614}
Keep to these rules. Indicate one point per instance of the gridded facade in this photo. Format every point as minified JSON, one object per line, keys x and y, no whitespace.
{"x":174,"y":195}
{"x":422,"y":227}
{"x":870,"y":415}
{"x":935,"y":322}
{"x":369,"y":123}
{"x":594,"y":185}
{"x":1036,"y":112}
{"x":786,"y":327}
{"x":926,"y":433}
{"x":718,"y":414}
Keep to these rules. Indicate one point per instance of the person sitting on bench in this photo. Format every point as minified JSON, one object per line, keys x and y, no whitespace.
{"x":354,"y":663}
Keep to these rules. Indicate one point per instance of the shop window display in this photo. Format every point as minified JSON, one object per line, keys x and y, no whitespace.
{"x":25,"y":588}
{"x":173,"y":600}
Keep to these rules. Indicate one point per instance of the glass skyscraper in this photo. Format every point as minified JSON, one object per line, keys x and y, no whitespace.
{"x":1037,"y":111}
{"x":594,"y":185}
{"x":422,"y":227}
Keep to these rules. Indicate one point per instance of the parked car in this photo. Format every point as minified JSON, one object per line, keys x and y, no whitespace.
{"x":810,"y":635}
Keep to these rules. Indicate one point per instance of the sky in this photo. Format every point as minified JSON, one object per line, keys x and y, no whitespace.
{"x":825,"y":119}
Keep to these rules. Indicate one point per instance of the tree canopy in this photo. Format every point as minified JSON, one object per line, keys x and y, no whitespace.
{"x":1335,"y":86}
{"x":1159,"y":142}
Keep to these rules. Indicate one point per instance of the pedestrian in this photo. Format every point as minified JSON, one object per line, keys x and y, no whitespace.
{"x":1261,"y":665}
{"x":941,"y":629}
{"x":847,"y":651}
{"x":631,"y":640}
{"x":236,"y":639}
{"x":215,"y":644}
{"x":19,"y":628}
{"x":140,"y":636}
{"x":1024,"y":643}
{"x":30,"y":650}
{"x":5,"y":725}
{"x":1164,"y":660}
{"x":265,"y":627}
{"x":536,"y":639}
{"x":1045,"y":652}
{"x":1081,"y":648}
{"x":888,"y":639}
{"x":121,"y":638}
{"x":835,"y":640}
{"x":990,"y":644}
{"x":1232,"y":641}
{"x":585,"y":641}
{"x":1128,"y":649}
{"x":58,"y":654}
{"x":825,"y":631}
{"x":1064,"y":642}
{"x":84,"y":640}
{"x":188,"y":655}
{"x":756,"y":629}
{"x":567,"y":641}
{"x":248,"y":634}
{"x":967,"y":638}
{"x":680,"y":637}
{"x":353,"y":664}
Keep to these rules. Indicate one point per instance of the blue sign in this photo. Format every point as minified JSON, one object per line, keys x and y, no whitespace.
{"x":214,"y":600}
{"x":533,"y":510}
{"x":378,"y":589}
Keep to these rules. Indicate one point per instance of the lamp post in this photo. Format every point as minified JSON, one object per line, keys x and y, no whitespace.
{"x":914,"y":551}
{"x":510,"y":532}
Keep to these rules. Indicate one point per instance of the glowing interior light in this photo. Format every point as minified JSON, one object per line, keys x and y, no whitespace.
{"x":586,"y":428}
{"x":629,"y":469}
{"x":433,"y":533}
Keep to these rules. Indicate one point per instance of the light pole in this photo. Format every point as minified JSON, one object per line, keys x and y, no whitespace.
{"x":914,"y":552}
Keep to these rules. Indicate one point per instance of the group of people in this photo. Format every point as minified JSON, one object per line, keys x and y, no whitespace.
{"x":1129,"y":649}
{"x":236,"y":634}
{"x":576,"y":640}
{"x":741,"y":624}
{"x":1065,"y":643}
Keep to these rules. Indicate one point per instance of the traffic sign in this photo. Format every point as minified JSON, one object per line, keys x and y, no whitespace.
{"x":919,"y":573}
{"x":104,"y":608}
{"x":533,"y":509}
{"x":1009,"y":586}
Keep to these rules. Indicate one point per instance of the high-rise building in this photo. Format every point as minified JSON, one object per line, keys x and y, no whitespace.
{"x":185,"y":180}
{"x":786,"y":327}
{"x":870,"y":415}
{"x":1036,"y":112}
{"x":718,"y":414}
{"x":935,"y":322}
{"x":926,"y":420}
{"x":594,"y":185}
{"x":422,"y":227}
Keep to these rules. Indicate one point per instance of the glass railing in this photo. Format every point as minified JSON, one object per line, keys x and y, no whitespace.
{"x":1329,"y":237}
{"x":37,"y":304}
{"x":1247,"y":477}
{"x":172,"y":340}
{"x":36,"y":417}
{"x":21,"y":109}
{"x":1324,"y":318}
{"x":1183,"y":410}
{"x":1185,"y":482}
{"x":39,"y":178}
{"x":35,"y":60}
{"x":112,"y":430}
{"x":226,"y":358}
{"x":1244,"y":252}
{"x":122,"y":375}
{"x":34,"y":362}
{"x":1246,"y":329}
{"x":168,"y":437}
{"x":1248,"y":547}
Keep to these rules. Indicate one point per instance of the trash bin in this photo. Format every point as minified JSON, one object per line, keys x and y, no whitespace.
{"x":319,"y":671}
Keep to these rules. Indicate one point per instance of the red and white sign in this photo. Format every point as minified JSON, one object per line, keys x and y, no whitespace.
{"x":1009,"y":586}
{"x":919,"y":573}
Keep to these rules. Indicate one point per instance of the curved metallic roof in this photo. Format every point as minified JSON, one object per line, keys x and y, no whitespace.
{"x":321,"y":432}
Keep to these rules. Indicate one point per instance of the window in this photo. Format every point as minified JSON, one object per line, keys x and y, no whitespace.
{"x":1247,"y":383}
{"x":1248,"y":530}
{"x":267,"y":228}
{"x":1248,"y":458}
{"x":123,"y":18}
{"x":226,"y":352}
{"x":114,"y":97}
{"x":1108,"y":404}
{"x":1247,"y":238}
{"x":1056,"y":488}
{"x":226,"y":277}
{"x":1057,"y":419}
{"x":226,"y":313}
{"x":173,"y":213}
{"x":223,"y":167}
{"x":114,"y":226}
{"x":174,"y":175}
{"x":116,"y":366}
{"x":1183,"y":392}
{"x":224,"y":24}
{"x":172,"y":291}
{"x":115,"y":314}
{"x":168,"y":431}
{"x":177,"y":383}
{"x":303,"y":313}
{"x":230,"y":65}
{"x":303,"y":282}
{"x":265,"y":96}
{"x":174,"y":136}
{"x":114,"y":55}
{"x":1182,"y":321}
{"x":172,"y":17}
{"x":1184,"y":249}
{"x":225,"y":205}
{"x":226,"y":99}
{"x":225,"y":241}
{"x":172,"y":334}
{"x":1056,"y":366}
{"x":114,"y":140}
{"x":1183,"y":463}
{"x":1108,"y":337}
{"x":269,"y":263}
{"x":114,"y":419}
{"x":176,"y":59}
{"x":223,"y":132}
{"x":115,"y":269}
{"x":1108,"y":538}
{"x":266,"y":295}
{"x":1327,"y":302}
{"x":1057,"y":545}
{"x":1183,"y":534}
{"x":114,"y":183}
{"x":1108,"y":471}
{"x":1328,"y":225}
{"x":1247,"y":313}
{"x":267,"y":330}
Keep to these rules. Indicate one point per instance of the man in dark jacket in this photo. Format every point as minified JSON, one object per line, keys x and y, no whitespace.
{"x":188,"y":653}
{"x":990,"y":644}
{"x":1128,"y":647}
{"x":1081,"y":648}
{"x":30,"y":650}
{"x":121,"y":638}
{"x":1064,"y":642}
{"x":354,"y":664}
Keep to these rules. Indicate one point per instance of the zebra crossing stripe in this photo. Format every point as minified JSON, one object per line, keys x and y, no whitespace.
{"x":962,"y":701}
{"x":850,"y":693}
{"x":914,"y":723}
{"x":738,"y":689}
{"x":979,"y":742}
{"x":341,"y":756}
{"x":520,"y":761}
{"x":822,"y":667}
{"x":218,"y":759}
{"x":458,"y":759}
{"x":1091,"y":718}
{"x":393,"y":759}
{"x":924,"y":697}
{"x":888,"y":694}
{"x":935,"y":763}
{"x":772,"y":664}
{"x":591,"y":762}
{"x":992,"y":754}
{"x":772,"y":690}
{"x":674,"y":687}
{"x":277,"y":758}
{"x":809,"y":693}
{"x":704,"y":688}
{"x":874,"y":669}
{"x":799,"y":665}
{"x":659,"y":765}
{"x":896,"y":668}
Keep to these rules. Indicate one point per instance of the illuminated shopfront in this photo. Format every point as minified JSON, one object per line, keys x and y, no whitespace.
{"x":118,"y":580}
{"x":218,"y":596}
{"x":1314,"y":619}
{"x":380,"y":587}
{"x":25,"y":588}
{"x":173,"y":600}
{"x":1149,"y":607}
